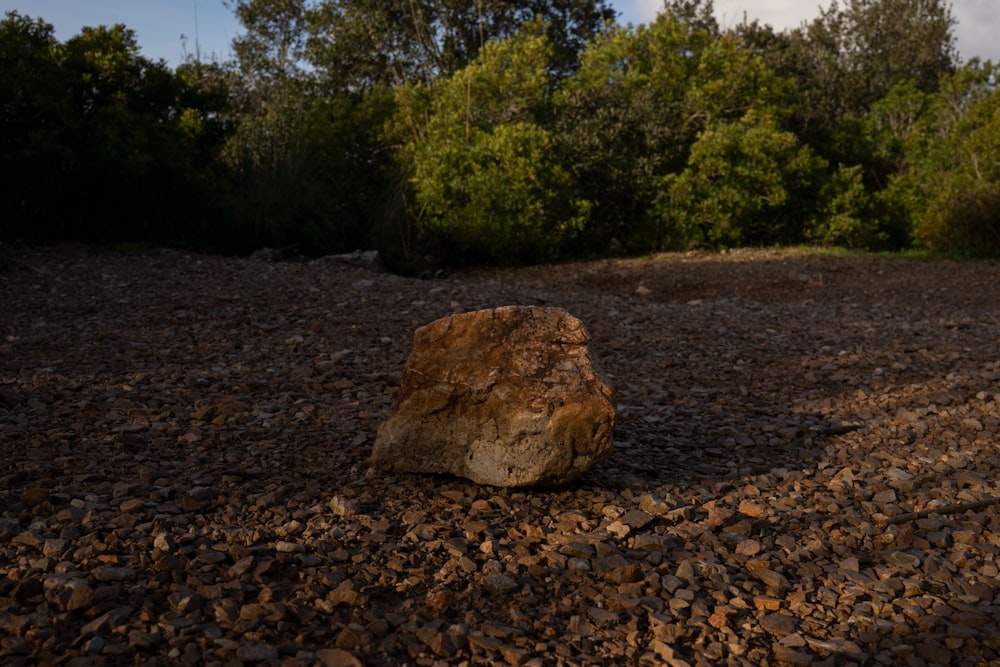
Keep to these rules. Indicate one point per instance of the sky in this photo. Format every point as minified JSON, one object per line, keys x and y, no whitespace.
{"x":171,"y":29}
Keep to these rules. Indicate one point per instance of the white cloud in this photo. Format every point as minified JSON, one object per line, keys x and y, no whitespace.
{"x":779,"y":13}
{"x":977,"y":29}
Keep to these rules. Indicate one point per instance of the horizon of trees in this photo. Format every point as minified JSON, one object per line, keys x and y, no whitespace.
{"x":444,"y":132}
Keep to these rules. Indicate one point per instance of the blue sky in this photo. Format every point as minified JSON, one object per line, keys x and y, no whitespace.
{"x":159,"y":24}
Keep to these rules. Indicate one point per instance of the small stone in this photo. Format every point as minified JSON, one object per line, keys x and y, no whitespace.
{"x":53,"y":547}
{"x":210,"y":556}
{"x":112,"y":573}
{"x":257,"y":653}
{"x":637,"y":519}
{"x":69,"y":592}
{"x":748,"y":548}
{"x":499,"y":630}
{"x":447,"y":644}
{"x":720,"y":617}
{"x":108,"y":621}
{"x":34,"y":496}
{"x":132,"y":505}
{"x":900,"y":559}
{"x":483,"y":643}
{"x":618,"y":529}
{"x":772,"y":579}
{"x":346,"y":595}
{"x":289,"y":548}
{"x":653,"y":505}
{"x":603,"y":617}
{"x":752,"y":509}
{"x":165,"y":542}
{"x":203,"y":494}
{"x":514,"y":655}
{"x":652,"y":542}
{"x":837,"y":646}
{"x":790,"y":656}
{"x":577,"y":550}
{"x":500,"y":584}
{"x":779,"y":624}
{"x":27,"y":589}
{"x":341,"y":506}
{"x":337,"y":657}
{"x":28,"y":538}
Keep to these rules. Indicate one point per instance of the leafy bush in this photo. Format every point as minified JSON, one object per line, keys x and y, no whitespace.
{"x":746,"y":182}
{"x":630,"y":116}
{"x":844,"y":215}
{"x":486,"y":185}
{"x":950,"y":188}
{"x":96,"y":143}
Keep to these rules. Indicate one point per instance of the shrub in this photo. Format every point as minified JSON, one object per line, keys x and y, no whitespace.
{"x":485,"y":183}
{"x":746,"y":182}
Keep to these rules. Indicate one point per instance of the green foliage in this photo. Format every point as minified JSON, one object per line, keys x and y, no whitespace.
{"x":97,"y":150}
{"x":950,"y":189}
{"x":506,"y":131}
{"x":302,"y":165}
{"x":844,"y":216}
{"x":499,"y":198}
{"x":32,"y":110}
{"x":273,"y":46}
{"x":849,"y":58}
{"x":746,"y":183}
{"x":630,"y":116}
{"x":360,"y":43}
{"x":485,"y":181}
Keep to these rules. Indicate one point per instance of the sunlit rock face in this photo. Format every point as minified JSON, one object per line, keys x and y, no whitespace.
{"x":509,"y":396}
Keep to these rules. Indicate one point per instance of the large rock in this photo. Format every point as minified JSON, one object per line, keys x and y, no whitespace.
{"x":509,"y":396}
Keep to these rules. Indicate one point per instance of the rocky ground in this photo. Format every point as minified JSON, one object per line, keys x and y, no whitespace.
{"x":805,"y":472}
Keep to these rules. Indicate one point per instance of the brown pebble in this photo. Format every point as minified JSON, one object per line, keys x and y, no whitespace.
{"x":779,"y":624}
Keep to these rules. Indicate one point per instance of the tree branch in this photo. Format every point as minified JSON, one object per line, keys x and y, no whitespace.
{"x":957,"y":508}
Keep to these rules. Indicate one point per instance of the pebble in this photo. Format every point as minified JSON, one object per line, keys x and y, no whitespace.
{"x":778,"y":624}
{"x":336,"y":657}
{"x":500,"y":584}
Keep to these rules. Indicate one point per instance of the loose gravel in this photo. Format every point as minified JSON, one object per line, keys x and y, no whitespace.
{"x":805,"y":469}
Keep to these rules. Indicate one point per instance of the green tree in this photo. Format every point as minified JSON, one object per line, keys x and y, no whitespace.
{"x":844,"y":214}
{"x":642,"y":96}
{"x":274,"y":92}
{"x":746,"y":182}
{"x":99,"y":149}
{"x":850,"y":57}
{"x":277,"y":196}
{"x":33,"y":109}
{"x":131,"y":167}
{"x":359,"y":43}
{"x":948,"y":190}
{"x":486,"y":184}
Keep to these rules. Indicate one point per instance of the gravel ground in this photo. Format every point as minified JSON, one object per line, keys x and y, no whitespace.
{"x":805,"y":468}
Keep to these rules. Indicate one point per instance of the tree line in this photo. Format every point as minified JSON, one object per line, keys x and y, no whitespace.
{"x":507,"y":131}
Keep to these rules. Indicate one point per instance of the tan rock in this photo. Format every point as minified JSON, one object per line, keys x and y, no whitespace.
{"x":509,"y":396}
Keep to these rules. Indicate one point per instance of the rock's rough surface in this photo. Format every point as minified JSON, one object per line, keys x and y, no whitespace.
{"x":507,"y":396}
